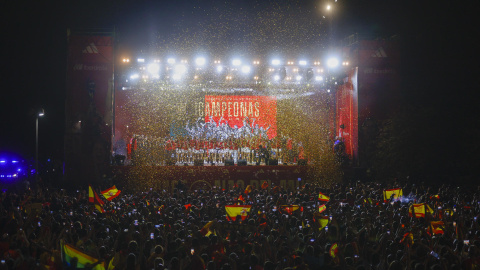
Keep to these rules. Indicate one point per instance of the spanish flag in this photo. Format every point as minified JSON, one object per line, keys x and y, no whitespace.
{"x":111,"y":193}
{"x":322,"y":208}
{"x":205,"y":231}
{"x":437,"y":227}
{"x":95,"y":199}
{"x":289,"y":208}
{"x":322,"y":197}
{"x":248,"y":189}
{"x":407,"y":237}
{"x":237,"y":210}
{"x":419,"y":210}
{"x":333,"y":250}
{"x":69,"y":252}
{"x":322,"y":221}
{"x":392,"y":194}
{"x":240,"y":198}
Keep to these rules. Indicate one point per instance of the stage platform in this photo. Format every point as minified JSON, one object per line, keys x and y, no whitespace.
{"x":206,"y":177}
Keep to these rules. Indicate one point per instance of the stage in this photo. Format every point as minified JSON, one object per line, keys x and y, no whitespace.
{"x":206,"y":177}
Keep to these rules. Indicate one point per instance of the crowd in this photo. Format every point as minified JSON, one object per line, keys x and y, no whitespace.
{"x":188,"y":229}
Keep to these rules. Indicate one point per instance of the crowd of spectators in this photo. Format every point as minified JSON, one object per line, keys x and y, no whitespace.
{"x":160,"y":229}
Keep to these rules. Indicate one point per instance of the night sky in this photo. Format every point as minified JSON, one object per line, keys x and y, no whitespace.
{"x":438,"y":40}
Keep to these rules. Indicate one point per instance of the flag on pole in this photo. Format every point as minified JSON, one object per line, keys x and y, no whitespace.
{"x":111,"y":193}
{"x":322,"y":208}
{"x":83,"y":260}
{"x":237,"y":210}
{"x":322,"y":197}
{"x":419,"y":210}
{"x":392,"y":194}
{"x":95,"y":199}
{"x":205,"y":231}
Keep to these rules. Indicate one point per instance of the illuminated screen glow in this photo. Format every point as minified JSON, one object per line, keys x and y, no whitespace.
{"x":237,"y":110}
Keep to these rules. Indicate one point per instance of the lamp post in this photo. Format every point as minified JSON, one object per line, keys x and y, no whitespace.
{"x":40,"y":113}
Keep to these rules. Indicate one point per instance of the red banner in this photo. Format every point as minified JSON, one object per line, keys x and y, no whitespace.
{"x":243,"y":110}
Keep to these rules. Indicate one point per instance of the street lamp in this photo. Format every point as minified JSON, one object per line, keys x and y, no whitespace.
{"x":40,"y":113}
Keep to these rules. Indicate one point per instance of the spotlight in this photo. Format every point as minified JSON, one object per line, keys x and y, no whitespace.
{"x":140,"y":60}
{"x":200,"y":61}
{"x":236,"y":62}
{"x":171,"y":61}
{"x":302,"y":63}
{"x":275,"y":62}
{"x":153,"y":69}
{"x":332,"y":62}
{"x":246,"y":69}
{"x":179,"y":71}
{"x":219,"y":69}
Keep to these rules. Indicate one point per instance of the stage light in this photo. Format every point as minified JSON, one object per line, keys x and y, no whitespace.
{"x":153,"y":69}
{"x":140,"y":60}
{"x":14,"y":161}
{"x":179,"y":71}
{"x":134,"y":76}
{"x":302,"y":63}
{"x":246,"y":69}
{"x":236,"y":62}
{"x":275,"y":62}
{"x":2,"y":161}
{"x":219,"y":69}
{"x":171,"y":61}
{"x":332,"y":62}
{"x":200,"y":61}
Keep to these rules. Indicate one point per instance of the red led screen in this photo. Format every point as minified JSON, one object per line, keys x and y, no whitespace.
{"x":259,"y":110}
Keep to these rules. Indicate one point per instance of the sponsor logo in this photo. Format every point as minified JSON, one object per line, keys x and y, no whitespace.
{"x":379,"y":53}
{"x":85,"y":67}
{"x":90,"y":49}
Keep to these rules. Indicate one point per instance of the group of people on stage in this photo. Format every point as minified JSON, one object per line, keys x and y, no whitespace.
{"x":184,"y":150}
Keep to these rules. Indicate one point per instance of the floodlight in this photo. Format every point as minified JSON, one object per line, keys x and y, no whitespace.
{"x":219,"y":69}
{"x":140,"y":60}
{"x":200,"y":61}
{"x":246,"y":69}
{"x":299,"y":78}
{"x":318,"y":78}
{"x":134,"y":76}
{"x":153,"y":69}
{"x":276,"y":77}
{"x":302,"y":63}
{"x":236,"y":62}
{"x":332,"y":62}
{"x":179,"y":71}
{"x":171,"y":61}
{"x":275,"y":62}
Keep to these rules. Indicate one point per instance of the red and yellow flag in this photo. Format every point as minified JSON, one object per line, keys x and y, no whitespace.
{"x":205,"y":231}
{"x":111,"y":193}
{"x":419,"y":210}
{"x":322,"y":208}
{"x":95,"y":199}
{"x":289,"y":209}
{"x":69,"y":252}
{"x":322,"y":197}
{"x":248,"y":189}
{"x":333,"y":250}
{"x":237,"y":210}
{"x":240,"y":198}
{"x":437,"y":227}
{"x":407,"y":237}
{"x":392,"y":194}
